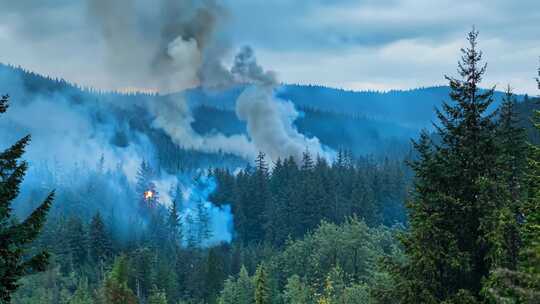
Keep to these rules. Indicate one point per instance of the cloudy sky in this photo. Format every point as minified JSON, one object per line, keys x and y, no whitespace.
{"x":364,"y":44}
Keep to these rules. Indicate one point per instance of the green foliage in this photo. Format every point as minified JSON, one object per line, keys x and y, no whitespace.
{"x":297,"y":292}
{"x":47,"y":287}
{"x":82,"y":295}
{"x":76,"y":242}
{"x":520,"y":282}
{"x":100,"y":246}
{"x":115,"y":286}
{"x":157,"y":297}
{"x":352,"y":245}
{"x":294,"y":197}
{"x":15,"y":260}
{"x":316,"y":227}
{"x":238,"y":291}
{"x":463,"y":213}
{"x":262,"y":290}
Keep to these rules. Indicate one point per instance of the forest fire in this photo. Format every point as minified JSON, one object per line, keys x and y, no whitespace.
{"x":148,"y":195}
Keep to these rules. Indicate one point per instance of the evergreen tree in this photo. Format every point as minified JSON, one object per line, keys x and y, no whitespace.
{"x":157,"y":297}
{"x":173,"y":223}
{"x":166,"y":278}
{"x":238,"y":291}
{"x":191,"y":231}
{"x":512,"y":164}
{"x":308,"y":203}
{"x":76,"y":241}
{"x":457,"y":196}
{"x":82,"y":295}
{"x":203,"y":223}
{"x":279,"y":211}
{"x":262,"y":289}
{"x":260,"y":195}
{"x":100,"y":244}
{"x":215,"y":274}
{"x":522,"y":285}
{"x":147,"y":194}
{"x":246,"y":287}
{"x":364,"y":203}
{"x":296,"y":292}
{"x":115,"y":286}
{"x":142,"y":265}
{"x":14,"y":236}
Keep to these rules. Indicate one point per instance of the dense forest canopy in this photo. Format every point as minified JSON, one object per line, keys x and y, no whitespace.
{"x":223,"y":185}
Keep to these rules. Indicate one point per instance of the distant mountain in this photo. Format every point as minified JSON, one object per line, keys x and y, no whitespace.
{"x":379,"y":123}
{"x":409,"y":108}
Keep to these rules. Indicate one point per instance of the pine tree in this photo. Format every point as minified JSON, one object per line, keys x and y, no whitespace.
{"x":76,"y":241}
{"x":238,"y":291}
{"x":99,"y":241}
{"x":278,"y":212}
{"x":15,"y":237}
{"x":173,"y":223}
{"x":457,"y":196}
{"x":203,"y":223}
{"x":246,"y":287}
{"x":364,"y":204}
{"x":82,"y":295}
{"x":262,"y":290}
{"x":147,"y":195}
{"x":522,"y":285}
{"x":157,"y":297}
{"x":115,"y":286}
{"x":215,"y":274}
{"x":296,"y":292}
{"x":191,"y":230}
{"x":310,"y":213}
{"x":142,"y":265}
{"x":512,"y":164}
{"x":260,"y":196}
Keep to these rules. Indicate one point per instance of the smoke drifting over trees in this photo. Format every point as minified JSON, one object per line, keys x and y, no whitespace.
{"x":182,"y":49}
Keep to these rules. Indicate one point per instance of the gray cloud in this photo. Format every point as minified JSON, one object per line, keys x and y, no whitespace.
{"x":319,"y":35}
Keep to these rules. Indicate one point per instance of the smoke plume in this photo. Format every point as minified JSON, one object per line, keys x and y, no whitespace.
{"x":174,"y":45}
{"x":165,"y":45}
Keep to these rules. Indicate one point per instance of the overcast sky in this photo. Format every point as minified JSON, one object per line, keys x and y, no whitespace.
{"x":366,"y":44}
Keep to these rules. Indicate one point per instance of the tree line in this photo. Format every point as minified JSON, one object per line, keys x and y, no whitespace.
{"x":310,"y":231}
{"x":293,"y":198}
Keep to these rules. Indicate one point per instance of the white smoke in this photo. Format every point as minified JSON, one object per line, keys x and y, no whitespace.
{"x":68,"y":134}
{"x":186,"y":61}
{"x":197,"y":191}
{"x":174,"y":116}
{"x":188,"y":54}
{"x":270,"y":121}
{"x":270,"y":125}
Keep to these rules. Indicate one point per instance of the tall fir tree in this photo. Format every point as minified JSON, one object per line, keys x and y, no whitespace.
{"x":100,"y":244}
{"x":260,"y":197}
{"x":76,"y":242}
{"x":456,"y":200}
{"x":512,"y":165}
{"x":522,"y":285}
{"x":157,"y":297}
{"x":215,"y":274}
{"x":15,"y":237}
{"x":203,"y":223}
{"x":262,"y":289}
{"x":147,"y":195}
{"x":174,"y":224}
{"x":115,"y":287}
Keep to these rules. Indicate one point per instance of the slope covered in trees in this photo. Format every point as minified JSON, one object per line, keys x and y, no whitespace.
{"x":301,"y":231}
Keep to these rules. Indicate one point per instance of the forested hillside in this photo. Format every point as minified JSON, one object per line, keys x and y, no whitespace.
{"x":384,"y":213}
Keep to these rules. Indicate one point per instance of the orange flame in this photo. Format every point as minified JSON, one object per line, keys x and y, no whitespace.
{"x":148,"y":195}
